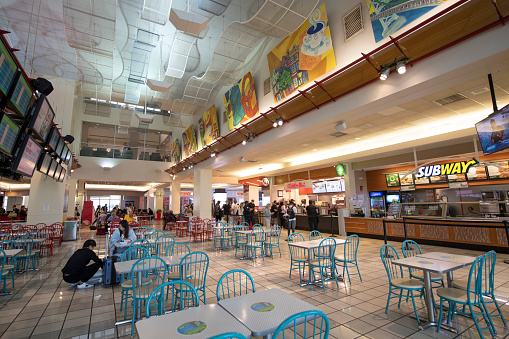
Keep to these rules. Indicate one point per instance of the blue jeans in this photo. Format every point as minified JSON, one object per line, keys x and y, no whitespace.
{"x":291,"y":225}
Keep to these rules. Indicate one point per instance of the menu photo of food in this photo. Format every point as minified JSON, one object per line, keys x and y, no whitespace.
{"x":501,"y":170}
{"x":392,"y":180}
{"x":421,"y":181}
{"x":477,"y":173}
{"x":456,"y":177}
{"x":438,"y":179}
{"x":319,"y":187}
{"x":406,"y":179}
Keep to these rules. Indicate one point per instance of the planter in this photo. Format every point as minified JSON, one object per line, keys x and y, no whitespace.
{"x":158,"y":216}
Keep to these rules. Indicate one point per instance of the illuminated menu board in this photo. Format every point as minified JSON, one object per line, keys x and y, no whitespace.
{"x":45,"y":163}
{"x":456,"y":177}
{"x":406,"y":180}
{"x":22,"y":96}
{"x":319,"y":187}
{"x":477,"y":173}
{"x":7,"y":69}
{"x":8,"y":134}
{"x":43,"y":118}
{"x":27,"y":157}
{"x":500,"y":171}
{"x":335,"y":186}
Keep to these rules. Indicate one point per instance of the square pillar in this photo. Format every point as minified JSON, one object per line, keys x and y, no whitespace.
{"x":203,"y":193}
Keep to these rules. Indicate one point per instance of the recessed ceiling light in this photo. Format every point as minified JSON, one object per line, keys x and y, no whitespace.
{"x":357,"y":138}
{"x":314,"y":150}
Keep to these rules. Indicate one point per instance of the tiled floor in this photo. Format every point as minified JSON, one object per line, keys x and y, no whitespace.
{"x":43,"y":305}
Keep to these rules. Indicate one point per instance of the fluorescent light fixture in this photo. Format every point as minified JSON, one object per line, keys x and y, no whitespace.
{"x":401,"y":67}
{"x":385,"y":74}
{"x":117,"y":187}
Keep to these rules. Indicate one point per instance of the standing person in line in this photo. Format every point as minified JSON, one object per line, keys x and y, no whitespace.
{"x":267,"y":215}
{"x":235,"y":210}
{"x":291,"y":211}
{"x":281,"y":212}
{"x":217,"y":211}
{"x":226,"y":210}
{"x":241,"y":212}
{"x":247,"y":213}
{"x":273,"y":212}
{"x":312,"y":213}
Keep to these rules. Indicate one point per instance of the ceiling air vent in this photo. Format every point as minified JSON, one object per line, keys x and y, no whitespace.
{"x":450,"y":99}
{"x":337,"y":134}
{"x":353,"y":23}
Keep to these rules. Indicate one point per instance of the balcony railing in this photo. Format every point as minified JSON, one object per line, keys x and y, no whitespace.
{"x":123,"y":152}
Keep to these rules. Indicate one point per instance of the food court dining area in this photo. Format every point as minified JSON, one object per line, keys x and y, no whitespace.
{"x":207,"y":279}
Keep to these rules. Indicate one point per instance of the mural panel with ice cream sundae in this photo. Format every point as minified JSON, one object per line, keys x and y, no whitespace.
{"x":302,"y":56}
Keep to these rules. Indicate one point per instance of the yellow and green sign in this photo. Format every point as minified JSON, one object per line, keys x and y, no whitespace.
{"x":340,"y":170}
{"x":392,"y":180}
{"x":459,"y":167}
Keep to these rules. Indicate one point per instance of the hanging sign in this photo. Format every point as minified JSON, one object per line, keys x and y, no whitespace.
{"x":299,"y":184}
{"x":460,"y":167}
{"x":265,"y":181}
{"x":340,"y":170}
{"x":186,"y":193}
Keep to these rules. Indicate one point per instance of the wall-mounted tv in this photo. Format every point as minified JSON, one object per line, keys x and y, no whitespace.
{"x":22,"y":97}
{"x":8,"y":68}
{"x":65,"y":154}
{"x":319,"y":187}
{"x":56,"y":176}
{"x":42,"y":118}
{"x":62,"y":175}
{"x":60,"y":147}
{"x":53,"y":139}
{"x":52,"y":168}
{"x":68,"y":156}
{"x":27,"y":157}
{"x":9,"y":131}
{"x":493,"y":131}
{"x":44,"y":163}
{"x":335,"y":186}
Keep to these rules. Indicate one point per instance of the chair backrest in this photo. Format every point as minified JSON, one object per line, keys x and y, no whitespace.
{"x":256,"y":225}
{"x":186,"y":300}
{"x":245,"y":224}
{"x":229,"y":335}
{"x":388,"y":254}
{"x":275,"y":233}
{"x":326,"y":251}
{"x":47,"y":232}
{"x":178,"y":248}
{"x":488,"y":283}
{"x":193,"y":269}
{"x":295,"y":237}
{"x":151,"y":271}
{"x":5,"y":236}
{"x":315,"y":235}
{"x":350,"y":247}
{"x":135,"y":252}
{"x":410,"y":248}
{"x":139,"y":242}
{"x":150,"y":233}
{"x":257,"y":235}
{"x":296,"y":252}
{"x":234,"y":283}
{"x":9,"y":245}
{"x":475,"y":280}
{"x":3,"y":259}
{"x":35,"y":234}
{"x":26,"y":242}
{"x":40,"y":225}
{"x":315,"y":323}
{"x":163,"y":242}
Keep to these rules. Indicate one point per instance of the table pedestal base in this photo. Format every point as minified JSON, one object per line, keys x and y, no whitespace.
{"x":434,"y":324}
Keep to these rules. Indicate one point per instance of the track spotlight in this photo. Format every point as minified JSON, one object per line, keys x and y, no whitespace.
{"x":184,"y":168}
{"x":251,"y":137}
{"x":385,"y":74}
{"x":275,"y":123}
{"x":213,"y":154}
{"x":280,"y":122}
{"x":191,"y":165}
{"x":244,"y":141}
{"x":401,"y":67}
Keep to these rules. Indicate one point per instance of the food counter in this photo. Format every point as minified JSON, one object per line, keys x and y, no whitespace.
{"x":324,"y":224}
{"x":472,"y":234}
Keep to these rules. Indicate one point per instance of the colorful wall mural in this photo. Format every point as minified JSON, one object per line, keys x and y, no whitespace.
{"x":208,"y":126}
{"x":189,"y":145}
{"x":302,"y":56}
{"x":240,"y":102}
{"x":176,"y":155}
{"x":387,"y":17}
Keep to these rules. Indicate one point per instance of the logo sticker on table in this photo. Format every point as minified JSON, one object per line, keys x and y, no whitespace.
{"x":192,"y":327}
{"x":447,"y":257}
{"x":262,"y":307}
{"x":425,"y":262}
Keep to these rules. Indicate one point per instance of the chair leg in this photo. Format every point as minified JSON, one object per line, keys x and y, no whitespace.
{"x":498,"y":309}
{"x":477,"y":324}
{"x":490,"y":323}
{"x":388,"y":299}
{"x":415,"y":309}
{"x":441,"y":314}
{"x":400,"y":295}
{"x":358,"y":271}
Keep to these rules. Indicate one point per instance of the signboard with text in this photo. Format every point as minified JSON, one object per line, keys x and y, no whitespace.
{"x":299,"y":184}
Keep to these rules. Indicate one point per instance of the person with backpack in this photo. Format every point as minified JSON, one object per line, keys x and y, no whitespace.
{"x":217,"y":211}
{"x":291,"y":211}
{"x":281,"y":210}
{"x":226,"y":210}
{"x":273,"y":212}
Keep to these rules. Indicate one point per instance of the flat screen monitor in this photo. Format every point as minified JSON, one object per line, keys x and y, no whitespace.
{"x":406,"y":179}
{"x":64,"y":154}
{"x":68,"y":157}
{"x":56,"y":176}
{"x":9,"y":131}
{"x":335,"y":186}
{"x":500,"y":170}
{"x":53,"y":139}
{"x":493,"y":131}
{"x":8,"y":69}
{"x":42,"y":118}
{"x":60,"y":147}
{"x":390,"y":198}
{"x":319,"y":187}
{"x":62,"y":175}
{"x":27,"y":157}
{"x":44,"y":163}
{"x":22,"y":97}
{"x":52,"y":168}
{"x":477,"y":173}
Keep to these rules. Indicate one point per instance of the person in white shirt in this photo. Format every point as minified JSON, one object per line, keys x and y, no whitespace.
{"x":235,"y":209}
{"x":291,"y":211}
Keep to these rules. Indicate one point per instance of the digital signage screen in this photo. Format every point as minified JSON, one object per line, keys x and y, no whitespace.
{"x":22,"y":97}
{"x":319,"y":187}
{"x":53,"y":139}
{"x":27,"y":157}
{"x":334,"y":186}
{"x":9,"y":131}
{"x":44,"y":163}
{"x":52,"y":168}
{"x":43,"y":118}
{"x":493,"y":131}
{"x":8,"y":69}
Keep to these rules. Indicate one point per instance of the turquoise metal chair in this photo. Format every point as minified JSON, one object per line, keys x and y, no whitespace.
{"x":170,"y":287}
{"x":150,"y":233}
{"x":3,"y":273}
{"x":176,"y":248}
{"x":487,"y":287}
{"x":133,"y":253}
{"x":234,"y":283}
{"x":193,"y":269}
{"x":471,"y":297}
{"x":10,"y":263}
{"x":27,"y":256}
{"x":272,"y":241}
{"x":349,"y":257}
{"x":241,"y":242}
{"x":397,"y":281}
{"x":162,"y":243}
{"x":410,"y":249}
{"x":140,"y":242}
{"x":230,"y":335}
{"x":146,"y":275}
{"x":255,"y":242}
{"x":314,"y":235}
{"x":298,"y":256}
{"x":315,"y":323}
{"x":324,"y":261}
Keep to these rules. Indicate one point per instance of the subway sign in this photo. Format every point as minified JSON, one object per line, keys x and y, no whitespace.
{"x":459,"y":167}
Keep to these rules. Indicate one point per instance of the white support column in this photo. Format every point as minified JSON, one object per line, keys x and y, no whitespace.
{"x":175,"y":197}
{"x":203,"y":193}
{"x":73,"y":185}
{"x":46,"y":200}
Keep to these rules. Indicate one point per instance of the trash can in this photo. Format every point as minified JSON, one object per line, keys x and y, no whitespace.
{"x":70,"y":227}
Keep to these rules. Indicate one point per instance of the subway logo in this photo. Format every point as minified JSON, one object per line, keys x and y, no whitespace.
{"x":445,"y":169}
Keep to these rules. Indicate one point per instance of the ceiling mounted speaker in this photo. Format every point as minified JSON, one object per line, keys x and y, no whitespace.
{"x":69,"y":138}
{"x":42,"y":86}
{"x":340,"y":126}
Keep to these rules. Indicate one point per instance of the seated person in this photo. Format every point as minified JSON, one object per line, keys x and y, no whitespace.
{"x":129,"y":217}
{"x":112,"y":216}
{"x":120,"y":233}
{"x":77,"y":270}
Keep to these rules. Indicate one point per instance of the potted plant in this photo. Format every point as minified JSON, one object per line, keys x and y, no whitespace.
{"x":158,"y":214}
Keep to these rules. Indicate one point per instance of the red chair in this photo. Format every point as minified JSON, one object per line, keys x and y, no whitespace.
{"x":182,"y":227}
{"x":58,"y":232}
{"x":40,"y":226}
{"x":47,"y":245}
{"x":198,"y":231}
